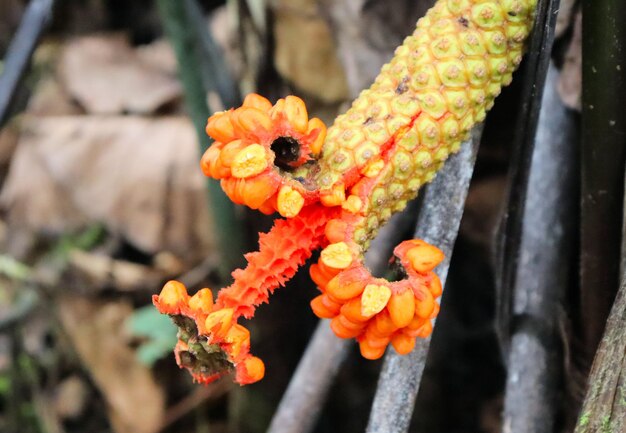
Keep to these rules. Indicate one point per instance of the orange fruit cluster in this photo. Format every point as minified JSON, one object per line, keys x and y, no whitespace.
{"x":210,"y":343}
{"x":258,"y":149}
{"x":336,"y":188}
{"x":373,"y":310}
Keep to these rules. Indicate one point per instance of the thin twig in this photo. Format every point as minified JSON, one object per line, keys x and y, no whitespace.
{"x":216,"y":74}
{"x":544,"y":271}
{"x":34,"y":22}
{"x":401,"y":375}
{"x":192,"y":401}
{"x":187,"y":46}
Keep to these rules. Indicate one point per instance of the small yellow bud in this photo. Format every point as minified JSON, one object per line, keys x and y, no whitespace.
{"x":289,"y":202}
{"x":352,"y":204}
{"x":373,"y":169}
{"x":172,"y":293}
{"x":336,"y":255}
{"x":249,"y":162}
{"x":219,"y":322}
{"x":202,"y":301}
{"x":335,"y":197}
{"x":374,"y":299}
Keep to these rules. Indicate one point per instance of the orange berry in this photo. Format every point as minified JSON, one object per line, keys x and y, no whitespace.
{"x":239,"y":190}
{"x":211,"y":165}
{"x":219,"y":322}
{"x":369,"y":352}
{"x":173,"y":293}
{"x":257,"y":190}
{"x":257,"y":101}
{"x":435,"y":285}
{"x":416,"y":323}
{"x":289,"y":202}
{"x":402,"y":343}
{"x":208,"y":159}
{"x":255,"y":369}
{"x":374,"y":299}
{"x":296,"y":113}
{"x":220,"y":171}
{"x":249,"y":119}
{"x":328,"y":270}
{"x":413,"y":333}
{"x":335,"y":230}
{"x":317,"y":124}
{"x":352,"y":310}
{"x":424,"y":257}
{"x":425,"y":330}
{"x":232,"y":188}
{"x":320,"y":310}
{"x":278,"y":110}
{"x":341,"y":331}
{"x":238,"y":337}
{"x":227,"y":155}
{"x":375,"y":340}
{"x":319,"y":277}
{"x":202,"y":301}
{"x":349,"y":324}
{"x":331,"y":304}
{"x":435,"y":311}
{"x":383,"y":325}
{"x":424,"y":307}
{"x":401,"y":308}
{"x":267,"y":208}
{"x":220,"y":128}
{"x":343,"y":289}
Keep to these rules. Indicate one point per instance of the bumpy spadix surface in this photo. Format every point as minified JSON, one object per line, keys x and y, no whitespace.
{"x":336,"y":187}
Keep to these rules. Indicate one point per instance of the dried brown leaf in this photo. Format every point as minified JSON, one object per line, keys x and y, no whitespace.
{"x":106,"y":76}
{"x":103,"y":271}
{"x":565,"y":17}
{"x":70,"y":397}
{"x":138,"y":176}
{"x":52,"y":99}
{"x":305,"y":52}
{"x":135,"y":402}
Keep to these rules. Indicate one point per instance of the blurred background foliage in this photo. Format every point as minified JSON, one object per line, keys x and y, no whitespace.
{"x":102,"y":201}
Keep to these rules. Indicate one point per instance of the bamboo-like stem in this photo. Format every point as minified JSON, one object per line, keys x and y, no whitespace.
{"x":401,"y":375}
{"x":185,"y":40}
{"x":302,"y":402}
{"x":544,"y":271}
{"x":510,"y":230}
{"x":603,"y":161}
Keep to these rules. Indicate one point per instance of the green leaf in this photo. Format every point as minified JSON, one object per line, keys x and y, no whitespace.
{"x":158,"y":331}
{"x":13,"y":269}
